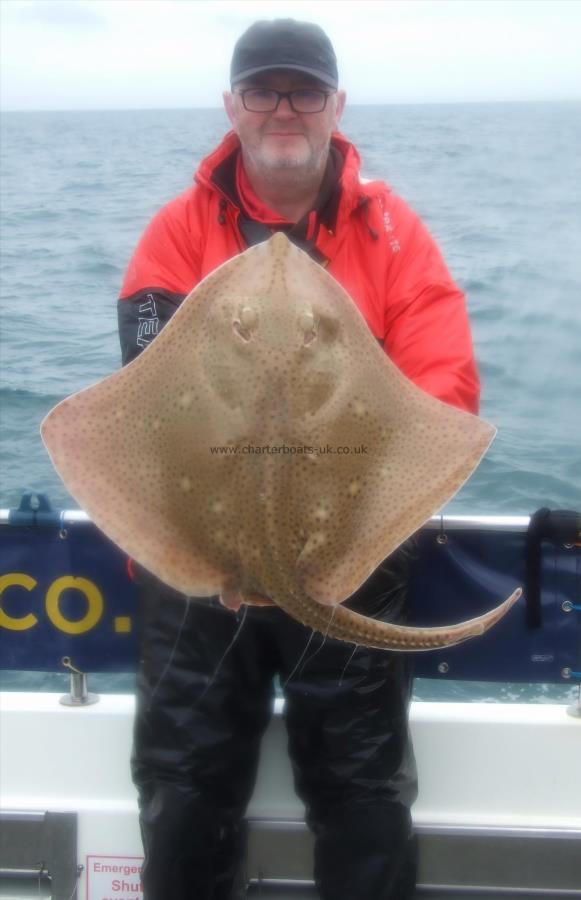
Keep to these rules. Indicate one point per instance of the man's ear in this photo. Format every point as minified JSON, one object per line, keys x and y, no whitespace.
{"x":228,"y":99}
{"x":340,"y":106}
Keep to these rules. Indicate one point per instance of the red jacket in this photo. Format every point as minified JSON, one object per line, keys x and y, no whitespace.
{"x":379,"y":251}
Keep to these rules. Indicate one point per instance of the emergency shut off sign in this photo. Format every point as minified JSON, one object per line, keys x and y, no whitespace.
{"x":114,"y":878}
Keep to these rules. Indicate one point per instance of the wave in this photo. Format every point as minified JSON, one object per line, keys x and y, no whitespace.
{"x":19,"y":397}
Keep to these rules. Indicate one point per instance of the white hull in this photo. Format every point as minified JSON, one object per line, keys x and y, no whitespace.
{"x":499,"y":803}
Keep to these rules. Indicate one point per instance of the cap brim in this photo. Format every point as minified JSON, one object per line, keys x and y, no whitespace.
{"x":315,"y":73}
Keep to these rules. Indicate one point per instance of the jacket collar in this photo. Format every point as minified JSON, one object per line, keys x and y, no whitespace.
{"x":349,"y":180}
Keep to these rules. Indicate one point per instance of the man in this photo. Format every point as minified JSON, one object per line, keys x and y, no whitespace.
{"x":199,"y":724}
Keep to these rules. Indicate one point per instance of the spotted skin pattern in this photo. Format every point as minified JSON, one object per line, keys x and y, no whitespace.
{"x":264,"y":446}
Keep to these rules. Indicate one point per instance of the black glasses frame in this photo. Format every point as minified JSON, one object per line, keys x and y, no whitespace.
{"x":289,"y":96}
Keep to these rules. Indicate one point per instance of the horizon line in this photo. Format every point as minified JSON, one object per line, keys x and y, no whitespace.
{"x":348,"y":107}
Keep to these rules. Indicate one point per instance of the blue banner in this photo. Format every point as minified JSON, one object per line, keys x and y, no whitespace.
{"x":472,"y":572}
{"x":65,"y":593}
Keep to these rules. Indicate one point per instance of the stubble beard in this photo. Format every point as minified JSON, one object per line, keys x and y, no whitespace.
{"x":287,"y":167}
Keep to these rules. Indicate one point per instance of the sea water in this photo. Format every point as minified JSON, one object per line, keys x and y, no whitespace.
{"x":498,"y":185}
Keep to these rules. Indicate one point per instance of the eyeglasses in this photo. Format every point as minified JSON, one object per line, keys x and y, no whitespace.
{"x":304,"y":100}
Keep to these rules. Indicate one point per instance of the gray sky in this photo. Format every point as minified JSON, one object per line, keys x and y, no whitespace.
{"x":136,"y":54}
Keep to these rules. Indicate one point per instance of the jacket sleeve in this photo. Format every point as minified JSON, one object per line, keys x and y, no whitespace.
{"x":161,"y":273}
{"x":427,"y":329}
{"x":141,"y":318}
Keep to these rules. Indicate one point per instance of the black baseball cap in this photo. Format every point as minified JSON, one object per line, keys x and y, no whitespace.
{"x":285,"y":44}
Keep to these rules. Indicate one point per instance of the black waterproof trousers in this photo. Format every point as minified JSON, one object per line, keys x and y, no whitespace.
{"x":201,"y":713}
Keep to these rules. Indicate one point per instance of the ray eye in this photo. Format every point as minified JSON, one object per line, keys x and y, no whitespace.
{"x":246,"y":323}
{"x":308,"y":326}
{"x":248,"y":317}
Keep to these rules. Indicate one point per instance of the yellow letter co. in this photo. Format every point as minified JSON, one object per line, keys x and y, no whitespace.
{"x":91,"y":592}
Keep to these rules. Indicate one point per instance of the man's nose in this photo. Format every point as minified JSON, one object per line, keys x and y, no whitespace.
{"x":284,"y":109}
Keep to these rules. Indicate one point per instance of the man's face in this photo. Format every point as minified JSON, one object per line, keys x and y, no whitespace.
{"x":283,"y":140}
